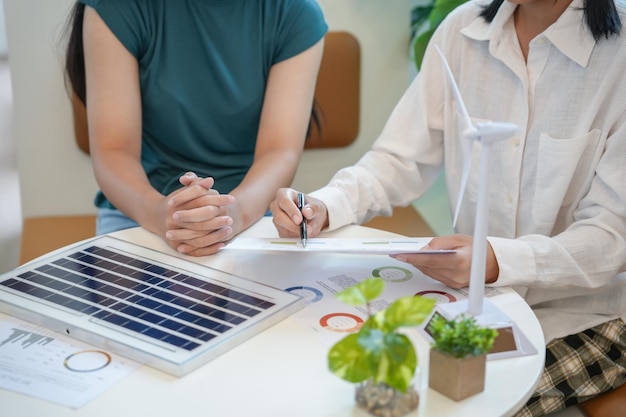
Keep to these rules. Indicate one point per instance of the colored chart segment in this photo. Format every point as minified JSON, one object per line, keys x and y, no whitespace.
{"x":310,"y":294}
{"x":439,"y":296}
{"x":87,"y":361}
{"x":341,"y":322}
{"x":392,"y":273}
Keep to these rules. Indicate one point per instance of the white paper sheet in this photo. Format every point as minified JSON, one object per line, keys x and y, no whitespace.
{"x":335,"y":245}
{"x":47,"y":365}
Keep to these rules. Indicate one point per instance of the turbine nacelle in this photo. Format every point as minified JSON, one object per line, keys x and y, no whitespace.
{"x":490,"y":132}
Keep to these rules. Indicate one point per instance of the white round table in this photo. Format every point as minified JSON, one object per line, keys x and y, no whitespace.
{"x":283,"y":371}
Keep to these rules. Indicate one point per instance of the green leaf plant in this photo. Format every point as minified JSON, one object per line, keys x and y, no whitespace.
{"x":460,"y":337}
{"x":425,"y":18}
{"x":378,"y":350}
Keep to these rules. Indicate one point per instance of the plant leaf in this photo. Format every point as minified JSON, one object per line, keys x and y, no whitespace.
{"x":372,"y":339}
{"x":363,"y":292}
{"x":349,"y":361}
{"x":408,"y":311}
{"x":419,"y":46}
{"x":419,"y":18}
{"x":440,"y":9}
{"x":397,"y":362}
{"x":461,"y":336}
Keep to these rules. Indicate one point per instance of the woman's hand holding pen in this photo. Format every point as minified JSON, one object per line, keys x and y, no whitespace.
{"x":287,"y":217}
{"x":198,"y":223}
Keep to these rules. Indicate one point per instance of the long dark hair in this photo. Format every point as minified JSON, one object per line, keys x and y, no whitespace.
{"x":600,"y":15}
{"x":74,"y":54}
{"x":75,"y":64}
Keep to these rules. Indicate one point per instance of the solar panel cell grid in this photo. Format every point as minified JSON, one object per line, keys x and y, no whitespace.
{"x":171,"y":313}
{"x":158,"y":299}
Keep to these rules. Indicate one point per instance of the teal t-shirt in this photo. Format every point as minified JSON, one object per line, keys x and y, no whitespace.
{"x":203,"y":68}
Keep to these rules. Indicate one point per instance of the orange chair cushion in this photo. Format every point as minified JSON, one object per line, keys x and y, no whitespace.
{"x":337,"y":92}
{"x":405,"y":221}
{"x":41,"y":235}
{"x":611,"y":404}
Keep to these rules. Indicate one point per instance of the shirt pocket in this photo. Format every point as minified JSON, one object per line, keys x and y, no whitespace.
{"x":564,"y":169}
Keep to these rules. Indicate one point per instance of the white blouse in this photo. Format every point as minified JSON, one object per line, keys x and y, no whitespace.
{"x":557,"y":220}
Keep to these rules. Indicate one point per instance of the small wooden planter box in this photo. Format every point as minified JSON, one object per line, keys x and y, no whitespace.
{"x":456,"y":378}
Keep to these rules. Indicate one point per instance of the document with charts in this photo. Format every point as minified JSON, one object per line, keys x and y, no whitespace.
{"x":319,"y":276}
{"x":43,"y":364}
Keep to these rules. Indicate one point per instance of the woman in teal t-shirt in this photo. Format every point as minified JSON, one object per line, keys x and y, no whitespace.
{"x":197,"y":109}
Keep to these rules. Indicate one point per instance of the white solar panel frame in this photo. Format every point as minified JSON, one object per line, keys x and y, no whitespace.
{"x":177,"y":362}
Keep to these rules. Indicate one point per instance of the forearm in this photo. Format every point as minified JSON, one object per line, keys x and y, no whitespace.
{"x":269,"y":172}
{"x":125,"y":184}
{"x":585,"y":257}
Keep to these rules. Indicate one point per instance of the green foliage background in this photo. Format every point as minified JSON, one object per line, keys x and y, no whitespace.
{"x":425,"y":17}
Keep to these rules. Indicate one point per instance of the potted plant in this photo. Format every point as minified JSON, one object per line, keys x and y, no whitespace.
{"x":458,"y":355}
{"x":379,"y":358}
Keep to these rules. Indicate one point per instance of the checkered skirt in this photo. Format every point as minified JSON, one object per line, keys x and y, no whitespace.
{"x":579,"y":367}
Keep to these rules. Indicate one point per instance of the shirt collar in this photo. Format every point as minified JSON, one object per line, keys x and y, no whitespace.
{"x":561,"y":33}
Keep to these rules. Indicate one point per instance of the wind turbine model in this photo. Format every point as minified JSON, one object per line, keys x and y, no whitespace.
{"x":517,"y":344}
{"x":485,"y":133}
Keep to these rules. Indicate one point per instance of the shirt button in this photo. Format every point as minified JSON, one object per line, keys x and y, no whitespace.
{"x":516,"y":141}
{"x":509,"y":198}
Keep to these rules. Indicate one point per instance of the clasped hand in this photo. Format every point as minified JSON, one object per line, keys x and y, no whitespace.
{"x":452,"y":270}
{"x":197,"y":220}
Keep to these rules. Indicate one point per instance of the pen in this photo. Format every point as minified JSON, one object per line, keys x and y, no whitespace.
{"x":303,"y":224}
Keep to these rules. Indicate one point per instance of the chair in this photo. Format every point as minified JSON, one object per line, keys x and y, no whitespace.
{"x":610,"y":404}
{"x":338,"y":99}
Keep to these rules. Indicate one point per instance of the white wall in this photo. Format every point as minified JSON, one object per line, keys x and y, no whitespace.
{"x":382,"y":28}
{"x":10,"y":227}
{"x":55,"y":177}
{"x":3,"y":33}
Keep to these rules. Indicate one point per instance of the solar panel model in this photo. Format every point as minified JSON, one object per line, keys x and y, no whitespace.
{"x":166,"y":312}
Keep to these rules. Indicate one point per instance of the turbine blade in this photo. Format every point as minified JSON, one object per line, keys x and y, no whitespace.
{"x":467,"y":164}
{"x":467,"y":144}
{"x":455,"y":91}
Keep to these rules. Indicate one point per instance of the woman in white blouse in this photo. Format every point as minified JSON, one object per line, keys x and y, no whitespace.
{"x":557,"y":212}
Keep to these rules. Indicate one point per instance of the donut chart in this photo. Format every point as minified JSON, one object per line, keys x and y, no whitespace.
{"x":393,"y":273}
{"x":87,"y":361}
{"x":311,"y":295}
{"x":341,"y":322}
{"x":439,"y":296}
